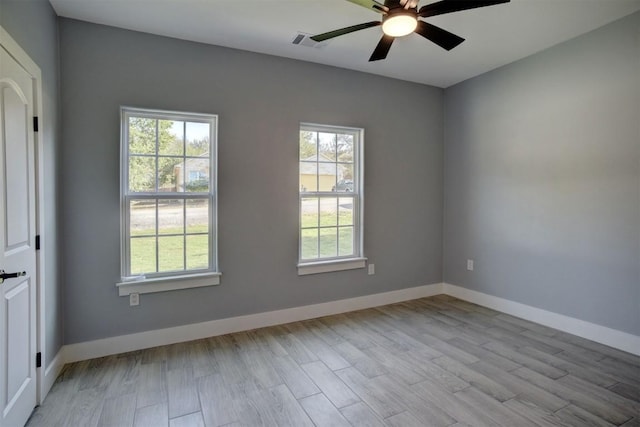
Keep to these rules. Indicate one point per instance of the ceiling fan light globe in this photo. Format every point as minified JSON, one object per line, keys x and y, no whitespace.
{"x":399,"y":25}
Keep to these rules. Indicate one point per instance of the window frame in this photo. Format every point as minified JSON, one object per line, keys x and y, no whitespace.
{"x":181,"y":279}
{"x":346,"y":262}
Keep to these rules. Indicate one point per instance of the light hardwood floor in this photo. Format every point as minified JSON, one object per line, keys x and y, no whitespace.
{"x":430,"y":362}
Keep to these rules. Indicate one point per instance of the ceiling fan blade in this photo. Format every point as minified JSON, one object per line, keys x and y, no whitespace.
{"x":343,"y":31}
{"x":370,"y":4}
{"x":382,"y":49}
{"x":442,"y":38}
{"x":448,"y":6}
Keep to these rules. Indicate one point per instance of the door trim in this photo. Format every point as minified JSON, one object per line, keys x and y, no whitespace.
{"x":14,"y":49}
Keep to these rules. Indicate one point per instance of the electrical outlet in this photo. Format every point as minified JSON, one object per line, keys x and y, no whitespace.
{"x":372,"y":269}
{"x":134,"y":299}
{"x":470,"y":264}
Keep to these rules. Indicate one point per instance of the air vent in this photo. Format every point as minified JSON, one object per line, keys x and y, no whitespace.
{"x":304,"y":39}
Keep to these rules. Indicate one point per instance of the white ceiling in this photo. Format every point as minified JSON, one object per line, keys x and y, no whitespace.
{"x":495,"y":35}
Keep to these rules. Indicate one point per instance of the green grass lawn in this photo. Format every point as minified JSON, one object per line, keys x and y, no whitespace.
{"x":335,"y":240}
{"x":171,"y":253}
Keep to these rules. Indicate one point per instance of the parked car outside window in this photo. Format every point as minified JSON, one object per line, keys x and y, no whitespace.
{"x":344,"y":185}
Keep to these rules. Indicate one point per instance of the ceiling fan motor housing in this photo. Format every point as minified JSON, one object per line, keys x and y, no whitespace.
{"x":399,"y":22}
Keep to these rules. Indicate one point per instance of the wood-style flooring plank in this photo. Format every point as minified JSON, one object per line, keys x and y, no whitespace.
{"x":626,"y":390}
{"x":294,"y":377}
{"x":279,"y":405}
{"x":361,"y":415}
{"x":332,"y":387}
{"x":152,"y":384}
{"x":592,"y":404}
{"x":523,"y":389}
{"x":459,"y":410}
{"x":152,"y":416}
{"x":191,"y":420}
{"x":494,"y":409}
{"x":182,"y":392}
{"x":322,"y":412}
{"x":422,"y":409}
{"x":118,"y":411}
{"x":480,"y":381}
{"x":534,"y":413}
{"x":576,"y":416}
{"x":85,"y":408}
{"x":217,"y":405}
{"x":383,"y":403}
{"x":484,"y":355}
{"x":524,"y":360}
{"x":405,"y":419}
{"x":586,"y":373}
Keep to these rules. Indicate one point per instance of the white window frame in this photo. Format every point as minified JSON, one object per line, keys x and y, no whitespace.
{"x":157,"y":282}
{"x":357,"y":259}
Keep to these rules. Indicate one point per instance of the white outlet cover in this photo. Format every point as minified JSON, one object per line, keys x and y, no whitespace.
{"x":470,"y":264}
{"x":134,"y":299}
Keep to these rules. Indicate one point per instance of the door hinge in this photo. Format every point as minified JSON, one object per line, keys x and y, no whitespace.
{"x":35,"y":124}
{"x":38,"y":360}
{"x":37,"y":242}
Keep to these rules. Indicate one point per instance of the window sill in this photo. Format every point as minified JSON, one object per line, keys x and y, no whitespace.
{"x":163,"y":284}
{"x":329,"y":266}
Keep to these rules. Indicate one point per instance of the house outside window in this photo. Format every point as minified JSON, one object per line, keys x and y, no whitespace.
{"x":331,"y":198}
{"x":169,"y":200}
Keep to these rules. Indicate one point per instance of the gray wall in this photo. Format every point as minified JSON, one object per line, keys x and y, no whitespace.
{"x":260,"y":101}
{"x":33,"y":24}
{"x":542,"y":179}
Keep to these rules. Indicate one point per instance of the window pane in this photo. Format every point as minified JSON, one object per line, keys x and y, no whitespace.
{"x":345,"y":235}
{"x":308,"y":176}
{"x":198,"y":139}
{"x":170,"y":174}
{"x":309,"y":212}
{"x":327,"y":176}
{"x":327,"y":147}
{"x":309,"y":244}
{"x":308,"y":145}
{"x":170,"y":217}
{"x":142,"y":174}
{"x":197,"y":216}
{"x":198,"y":252}
{"x":170,"y":253}
{"x":142,"y":135}
{"x":142,"y":218}
{"x":143,"y":255}
{"x":328,"y":242}
{"x":328,"y":211}
{"x":345,"y":177}
{"x":196,"y":174}
{"x":345,"y":148}
{"x":170,"y":138}
{"x":345,"y":208}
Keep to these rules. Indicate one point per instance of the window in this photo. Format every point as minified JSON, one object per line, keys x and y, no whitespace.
{"x":330,"y":199}
{"x":168,"y":200}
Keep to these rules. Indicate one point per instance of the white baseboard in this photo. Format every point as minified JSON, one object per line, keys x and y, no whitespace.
{"x":601,"y":334}
{"x":138,"y":341}
{"x":147,"y":339}
{"x":51,"y":372}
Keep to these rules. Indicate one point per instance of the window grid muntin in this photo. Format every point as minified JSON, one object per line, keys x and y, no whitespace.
{"x":129,"y":195}
{"x":355,"y":195}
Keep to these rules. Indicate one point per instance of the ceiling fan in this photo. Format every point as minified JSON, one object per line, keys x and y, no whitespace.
{"x":400,"y":18}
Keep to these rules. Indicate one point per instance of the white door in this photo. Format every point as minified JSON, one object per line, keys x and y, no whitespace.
{"x":17,"y":244}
